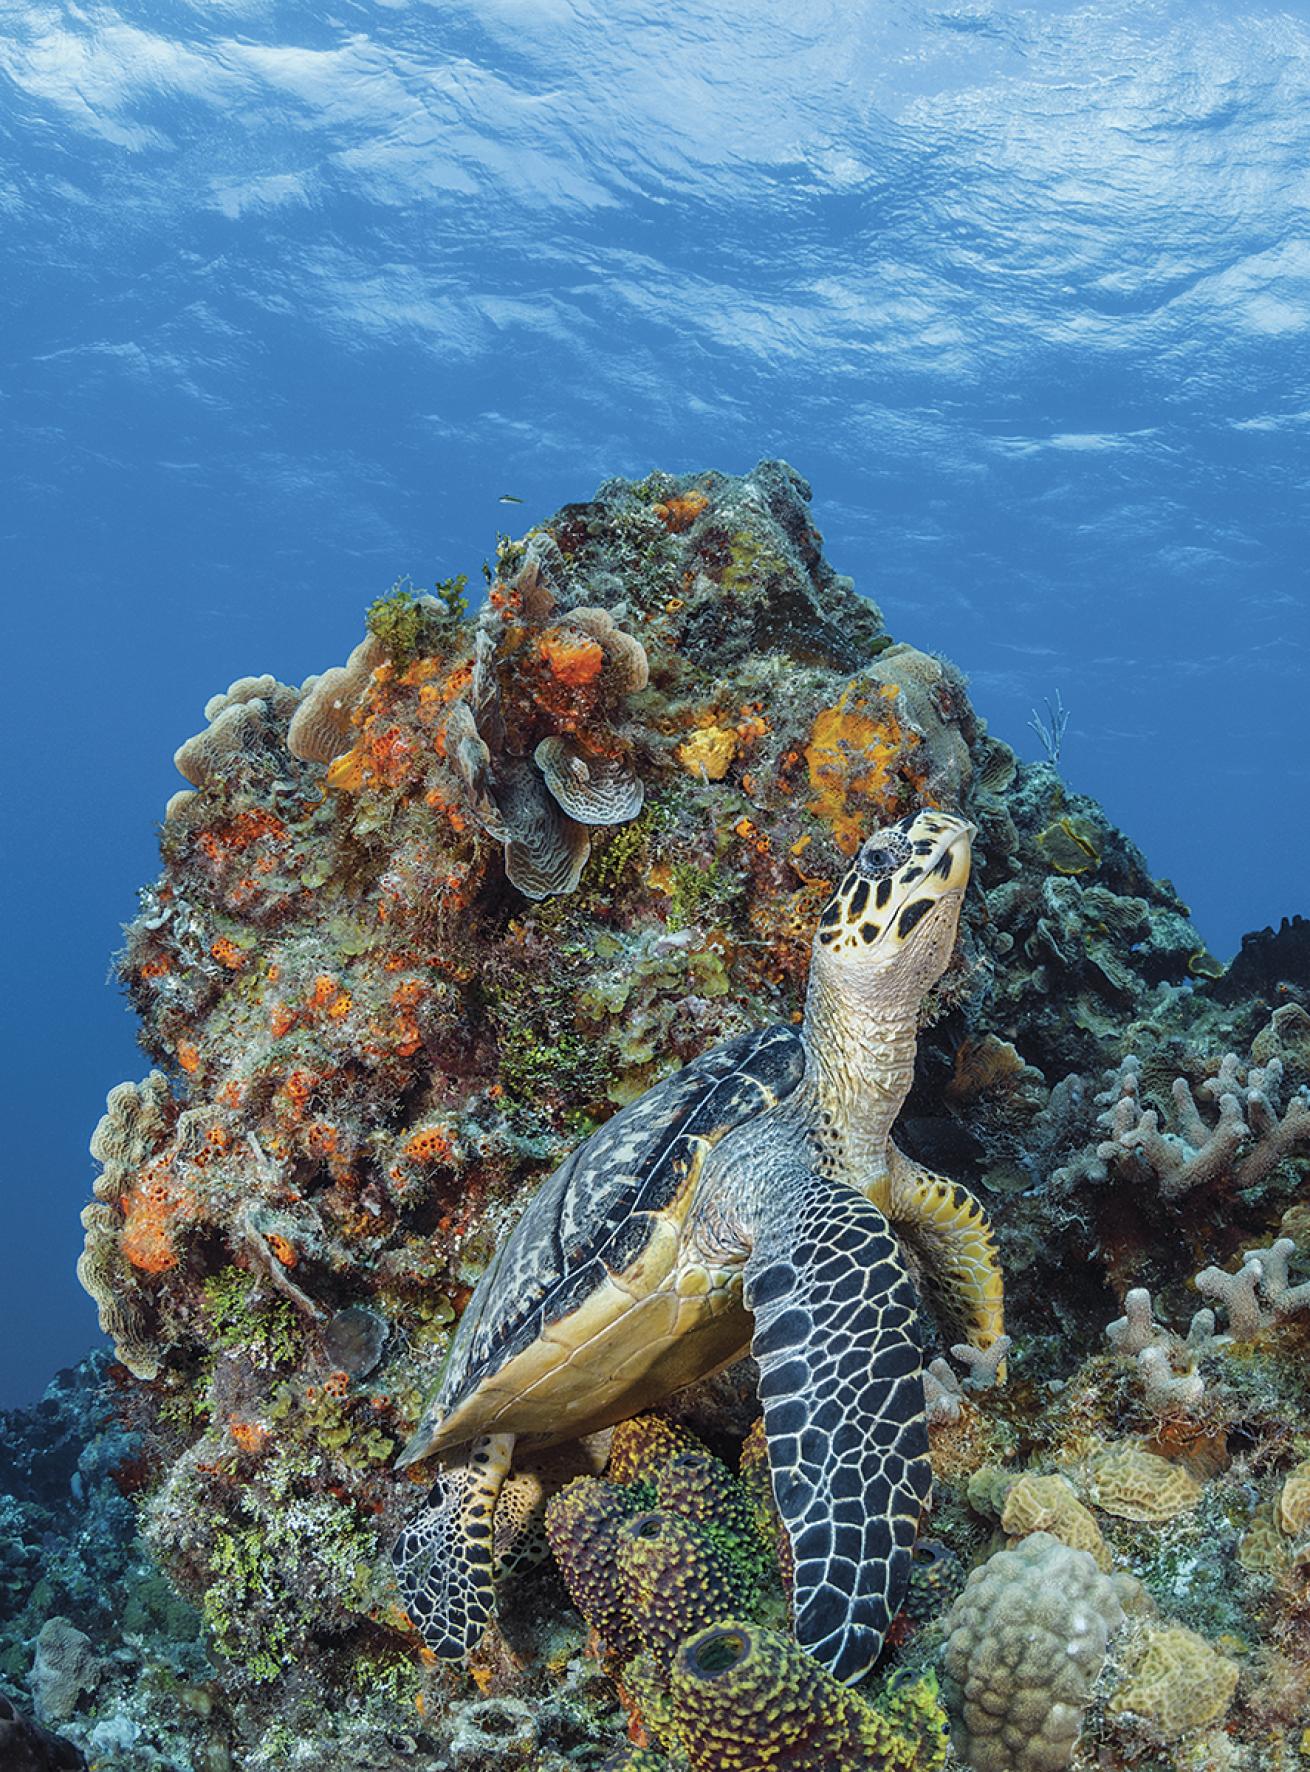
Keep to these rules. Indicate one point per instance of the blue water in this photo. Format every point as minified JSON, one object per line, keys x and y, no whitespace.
{"x":292,"y":295}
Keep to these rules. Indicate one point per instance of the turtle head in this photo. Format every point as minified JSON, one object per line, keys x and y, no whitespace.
{"x":896,"y":910}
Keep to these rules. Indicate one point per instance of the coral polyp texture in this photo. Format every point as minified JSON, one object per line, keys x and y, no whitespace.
{"x":426,"y":921}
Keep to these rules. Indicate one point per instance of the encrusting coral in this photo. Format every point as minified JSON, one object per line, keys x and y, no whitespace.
{"x":1137,"y":1485}
{"x":423,"y":923}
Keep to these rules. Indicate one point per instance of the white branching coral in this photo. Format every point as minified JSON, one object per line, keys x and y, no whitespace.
{"x":943,"y":1396}
{"x":1167,"y":1391}
{"x":1137,"y":1328}
{"x":1258,"y":1296}
{"x":1232,"y":1125}
{"x":942,"y":1391}
{"x":986,"y":1365}
{"x":1260,"y":1293}
{"x":1164,"y":1360}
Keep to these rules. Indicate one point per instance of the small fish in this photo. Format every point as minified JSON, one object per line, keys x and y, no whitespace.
{"x":508,"y":498}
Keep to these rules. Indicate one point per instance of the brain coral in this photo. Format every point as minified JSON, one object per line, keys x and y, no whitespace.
{"x":1048,"y":1504}
{"x":1027,"y":1640}
{"x":1137,"y":1485}
{"x":1294,"y":1501}
{"x":1178,"y":1682}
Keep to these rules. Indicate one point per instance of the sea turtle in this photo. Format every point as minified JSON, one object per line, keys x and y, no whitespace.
{"x":742,"y":1202}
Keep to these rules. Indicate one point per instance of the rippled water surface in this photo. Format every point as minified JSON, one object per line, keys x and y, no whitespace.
{"x":292,"y":295}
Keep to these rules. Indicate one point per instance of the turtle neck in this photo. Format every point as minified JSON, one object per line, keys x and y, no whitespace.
{"x":859,"y":1064}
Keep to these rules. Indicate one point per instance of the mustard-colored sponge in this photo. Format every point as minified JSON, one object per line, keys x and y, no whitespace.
{"x":583,"y":1523}
{"x":746,"y":1699}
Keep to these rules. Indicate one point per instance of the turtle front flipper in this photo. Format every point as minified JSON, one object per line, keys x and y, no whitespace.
{"x":445,"y":1560}
{"x":945,"y":1226}
{"x":841,"y":1381}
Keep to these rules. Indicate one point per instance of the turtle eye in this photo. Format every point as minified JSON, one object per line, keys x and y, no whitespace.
{"x":883,"y":854}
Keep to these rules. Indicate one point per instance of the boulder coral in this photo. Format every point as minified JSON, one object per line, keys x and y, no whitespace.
{"x":1027,"y":1641}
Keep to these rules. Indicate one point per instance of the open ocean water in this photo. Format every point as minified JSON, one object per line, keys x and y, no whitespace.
{"x":294,"y":294}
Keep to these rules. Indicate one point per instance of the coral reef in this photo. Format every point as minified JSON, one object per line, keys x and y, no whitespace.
{"x":1178,"y":1682}
{"x":1250,"y":1133}
{"x":425,"y":921}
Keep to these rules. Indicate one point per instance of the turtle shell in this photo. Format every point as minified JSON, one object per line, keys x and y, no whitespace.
{"x":593,"y":1217}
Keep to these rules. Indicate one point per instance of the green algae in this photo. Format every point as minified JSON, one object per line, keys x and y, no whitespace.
{"x":246,"y":1318}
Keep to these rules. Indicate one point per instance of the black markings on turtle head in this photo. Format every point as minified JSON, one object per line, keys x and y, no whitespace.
{"x":913,"y":915}
{"x":831,"y":915}
{"x":943,"y":866}
{"x":883,"y":893}
{"x":859,"y":898}
{"x":870,"y":931}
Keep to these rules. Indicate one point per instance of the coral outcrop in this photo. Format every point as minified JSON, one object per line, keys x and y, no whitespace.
{"x":427,"y":919}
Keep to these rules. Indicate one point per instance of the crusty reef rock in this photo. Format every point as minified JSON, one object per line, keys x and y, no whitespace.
{"x":426,"y":920}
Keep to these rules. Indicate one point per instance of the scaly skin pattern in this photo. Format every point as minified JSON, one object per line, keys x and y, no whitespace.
{"x":744,"y":1195}
{"x":446,"y":1553}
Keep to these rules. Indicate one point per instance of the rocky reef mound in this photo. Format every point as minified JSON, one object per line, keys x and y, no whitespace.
{"x":424,"y":922}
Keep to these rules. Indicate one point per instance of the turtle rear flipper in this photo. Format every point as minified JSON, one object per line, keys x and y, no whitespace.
{"x":841,"y":1381}
{"x":444,"y":1559}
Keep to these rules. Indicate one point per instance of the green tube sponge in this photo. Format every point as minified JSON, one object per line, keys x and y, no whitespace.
{"x":674,"y":1582}
{"x":750,"y":1700}
{"x":699,"y":1487}
{"x":635,"y":1759}
{"x":582,"y":1524}
{"x":640,"y":1446}
{"x":757,"y":1481}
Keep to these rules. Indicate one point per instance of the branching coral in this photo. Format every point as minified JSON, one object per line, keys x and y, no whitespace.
{"x":1262,"y":1280}
{"x":1249,"y":1134}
